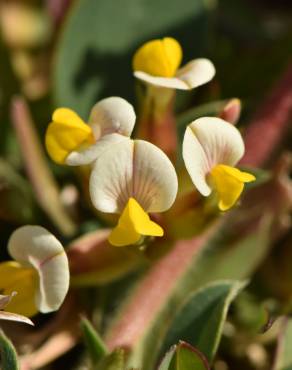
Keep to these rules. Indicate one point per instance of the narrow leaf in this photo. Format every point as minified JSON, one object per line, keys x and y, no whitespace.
{"x":95,"y":346}
{"x":165,"y":363}
{"x":152,"y":306}
{"x":184,"y":357}
{"x":8,"y":354}
{"x":188,"y":358}
{"x":114,"y":361}
{"x":200,"y":319}
{"x":283,"y":360}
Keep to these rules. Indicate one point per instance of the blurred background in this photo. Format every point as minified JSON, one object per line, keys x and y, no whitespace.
{"x":73,"y":53}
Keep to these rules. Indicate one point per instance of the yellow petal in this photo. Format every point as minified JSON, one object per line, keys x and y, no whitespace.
{"x":67,"y":132}
{"x":158,"y":57}
{"x":16,"y":278}
{"x":229,"y":183}
{"x":133,"y":223}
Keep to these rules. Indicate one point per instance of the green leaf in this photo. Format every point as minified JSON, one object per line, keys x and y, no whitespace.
{"x":100,"y":38}
{"x":251,"y":314}
{"x":113,"y":361}
{"x":200,"y":319}
{"x":216,"y":255}
{"x":8,"y":354}
{"x":15,"y":190}
{"x":284,"y":354}
{"x":165,"y":363}
{"x":95,"y":345}
{"x":184,"y":357}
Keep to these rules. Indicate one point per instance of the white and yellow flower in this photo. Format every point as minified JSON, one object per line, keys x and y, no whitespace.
{"x":69,"y":140}
{"x":211,"y":149}
{"x":133,"y":179}
{"x":157,"y":63}
{"x":39,"y":273}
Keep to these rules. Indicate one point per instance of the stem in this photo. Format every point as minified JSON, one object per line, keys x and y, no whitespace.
{"x":157,"y":123}
{"x":267,"y":128}
{"x":45,"y":187}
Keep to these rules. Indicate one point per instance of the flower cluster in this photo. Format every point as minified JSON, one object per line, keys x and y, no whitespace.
{"x":130,"y":177}
{"x":133,"y":177}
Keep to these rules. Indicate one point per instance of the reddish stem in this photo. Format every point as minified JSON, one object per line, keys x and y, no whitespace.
{"x":44,"y":185}
{"x":157,"y":123}
{"x":57,"y":9}
{"x":267,"y":128}
{"x":161,"y":133}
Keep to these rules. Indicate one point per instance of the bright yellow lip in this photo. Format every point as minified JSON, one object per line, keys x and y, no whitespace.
{"x":229,"y":184}
{"x":158,"y":57}
{"x":133,"y":223}
{"x":67,"y":132}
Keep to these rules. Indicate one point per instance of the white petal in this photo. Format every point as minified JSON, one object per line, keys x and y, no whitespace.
{"x":209,"y":141}
{"x":195,"y":73}
{"x":168,"y":82}
{"x":89,"y":155}
{"x":135,"y":169}
{"x":4,"y":315}
{"x":35,"y":246}
{"x":111,"y":115}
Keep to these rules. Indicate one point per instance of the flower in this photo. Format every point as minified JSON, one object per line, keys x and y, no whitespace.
{"x":157,"y":62}
{"x":69,"y":140}
{"x":211,"y":149}
{"x":39,"y":273}
{"x":132,"y":179}
{"x":9,"y":316}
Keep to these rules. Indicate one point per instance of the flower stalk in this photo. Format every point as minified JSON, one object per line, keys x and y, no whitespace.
{"x":157,"y":122}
